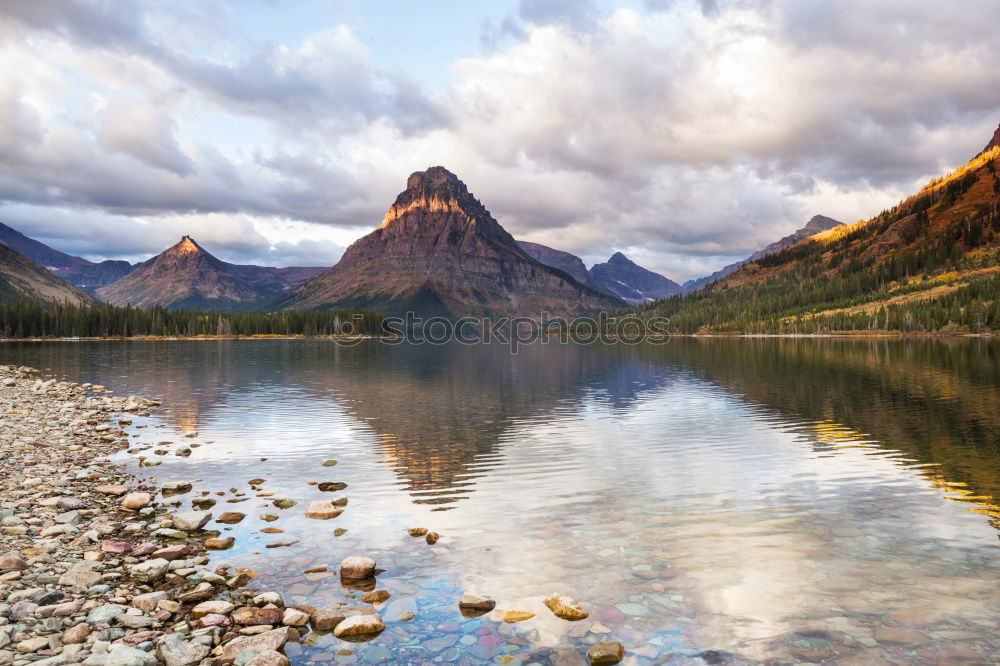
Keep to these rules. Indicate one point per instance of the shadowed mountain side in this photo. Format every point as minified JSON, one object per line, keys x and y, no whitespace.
{"x":439,"y":252}
{"x":20,"y":278}
{"x":622,"y":277}
{"x":75,"y":270}
{"x":271,"y":279}
{"x":564,"y":261}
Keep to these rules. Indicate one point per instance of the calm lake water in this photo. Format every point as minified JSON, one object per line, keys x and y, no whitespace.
{"x":710,"y":501}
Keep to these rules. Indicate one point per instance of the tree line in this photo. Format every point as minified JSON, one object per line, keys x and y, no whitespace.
{"x":31,"y":319}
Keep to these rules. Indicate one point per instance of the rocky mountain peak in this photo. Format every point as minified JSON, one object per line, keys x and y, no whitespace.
{"x":187,"y":245}
{"x":435,"y":190}
{"x":619,"y":258}
{"x":437,"y":179}
{"x":819,"y":223}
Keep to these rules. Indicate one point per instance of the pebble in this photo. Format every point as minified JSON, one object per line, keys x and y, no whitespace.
{"x":136,"y":501}
{"x":512,"y":616}
{"x":293,"y":617}
{"x":565,"y":608}
{"x":606,"y":653}
{"x":320,"y":510}
{"x":219,"y":543}
{"x":327,"y":619}
{"x":123,"y":655}
{"x":191,"y":521}
{"x":359,"y":625}
{"x":268,"y":658}
{"x":357,"y":567}
{"x":375,"y":596}
{"x":477,"y":602}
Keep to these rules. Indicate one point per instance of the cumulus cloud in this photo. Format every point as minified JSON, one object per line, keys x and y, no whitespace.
{"x":146,"y":133}
{"x":685,"y":132}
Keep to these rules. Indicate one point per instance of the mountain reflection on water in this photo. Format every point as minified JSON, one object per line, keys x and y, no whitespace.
{"x":709,"y":499}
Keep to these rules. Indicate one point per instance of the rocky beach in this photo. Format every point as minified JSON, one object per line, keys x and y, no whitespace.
{"x":101,"y":568}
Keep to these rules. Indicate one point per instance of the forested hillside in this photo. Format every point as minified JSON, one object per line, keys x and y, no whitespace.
{"x":930,"y":264}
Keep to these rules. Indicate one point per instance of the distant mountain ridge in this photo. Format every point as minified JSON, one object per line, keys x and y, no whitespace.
{"x":439,"y":251}
{"x":91,"y":276}
{"x":21,"y":278}
{"x":815,"y":225}
{"x":622,"y":277}
{"x":76,"y":270}
{"x":619,"y":276}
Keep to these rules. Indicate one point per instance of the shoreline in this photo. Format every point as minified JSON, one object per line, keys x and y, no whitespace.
{"x":655,"y":338}
{"x":100,"y":567}
{"x":96,"y":569}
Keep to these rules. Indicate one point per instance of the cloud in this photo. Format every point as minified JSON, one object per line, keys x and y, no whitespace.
{"x":328,"y":80}
{"x":146,"y":133}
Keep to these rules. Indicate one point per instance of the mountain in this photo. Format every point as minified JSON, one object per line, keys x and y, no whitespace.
{"x":270,"y":279}
{"x":994,"y":142}
{"x":564,"y":261}
{"x":183,"y":276}
{"x":630,"y":282}
{"x":929,"y":264}
{"x":439,"y":252}
{"x":815,"y":225}
{"x":77,"y":270}
{"x":21,"y":278}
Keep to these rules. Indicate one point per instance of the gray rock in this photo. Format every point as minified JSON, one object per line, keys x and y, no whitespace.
{"x":104,"y":614}
{"x":191,"y":521}
{"x":81,"y":575}
{"x":150,"y":571}
{"x":123,"y":655}
{"x":175,"y":651}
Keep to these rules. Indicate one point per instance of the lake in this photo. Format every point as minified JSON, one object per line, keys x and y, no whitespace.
{"x":707,"y":500}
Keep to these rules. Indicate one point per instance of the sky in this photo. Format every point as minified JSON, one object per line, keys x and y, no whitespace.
{"x":684,"y":133}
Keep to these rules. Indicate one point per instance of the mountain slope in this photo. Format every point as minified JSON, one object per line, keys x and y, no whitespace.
{"x":994,"y":142}
{"x":270,"y":279}
{"x":815,"y":225}
{"x":20,"y":278}
{"x":630,"y":282}
{"x":183,"y":276}
{"x":931,"y":263}
{"x":439,"y":251}
{"x":564,"y":261}
{"x":77,"y":270}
